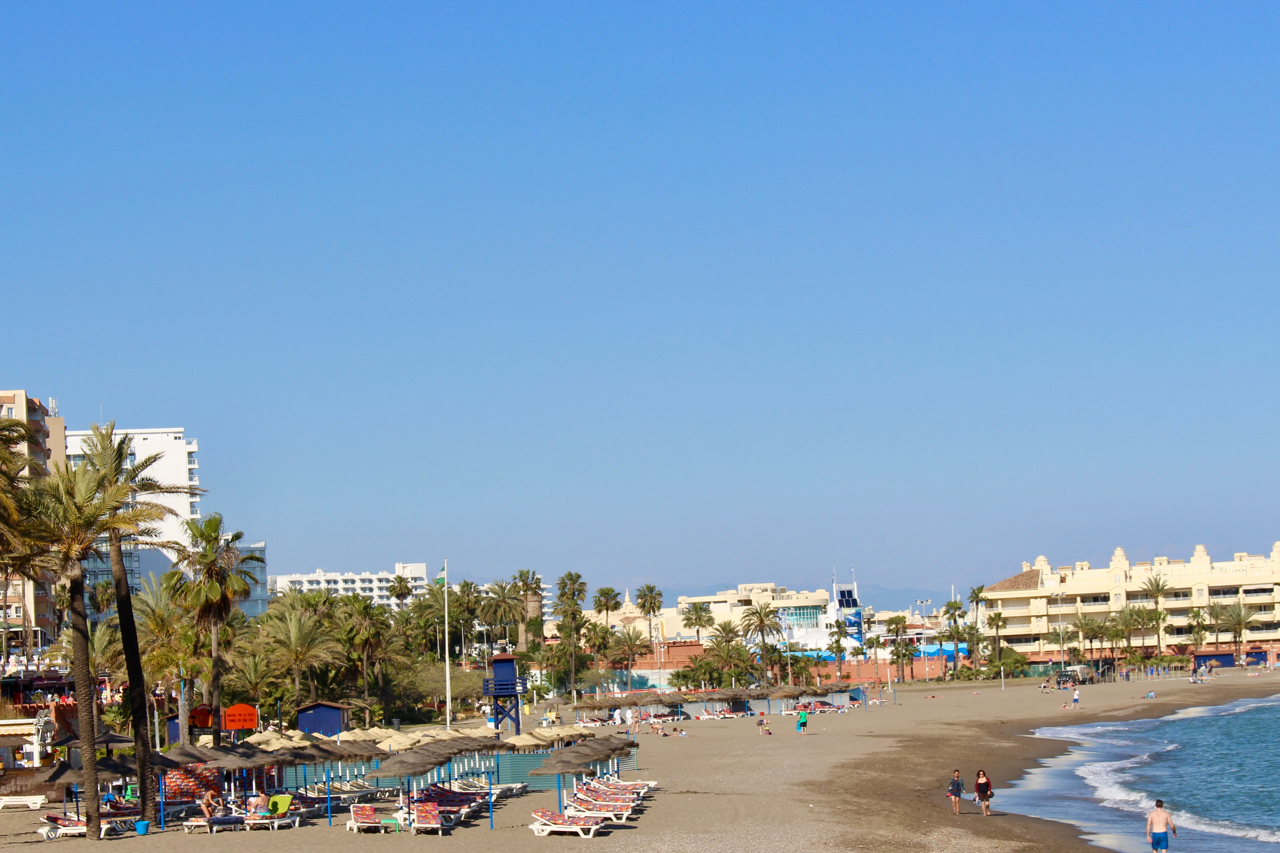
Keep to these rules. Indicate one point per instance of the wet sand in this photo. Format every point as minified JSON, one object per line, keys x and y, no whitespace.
{"x":866,"y":780}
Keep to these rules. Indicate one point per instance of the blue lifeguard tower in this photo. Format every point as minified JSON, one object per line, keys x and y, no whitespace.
{"x":504,"y":690}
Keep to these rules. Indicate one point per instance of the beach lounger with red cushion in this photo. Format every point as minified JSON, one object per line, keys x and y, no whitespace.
{"x":365,"y":817}
{"x":426,"y":817}
{"x":611,"y":812}
{"x":546,"y":822}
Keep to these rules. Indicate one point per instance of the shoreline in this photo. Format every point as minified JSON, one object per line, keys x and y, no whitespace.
{"x":1010,"y":750}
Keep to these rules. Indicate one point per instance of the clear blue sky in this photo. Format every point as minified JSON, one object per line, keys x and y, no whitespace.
{"x":688,"y":294}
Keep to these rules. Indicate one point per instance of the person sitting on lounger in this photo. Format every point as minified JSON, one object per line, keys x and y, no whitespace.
{"x":260,"y":804}
{"x":212,"y":805}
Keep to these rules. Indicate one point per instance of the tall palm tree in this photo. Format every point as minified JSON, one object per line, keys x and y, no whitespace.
{"x":365,"y":627}
{"x":400,"y":589}
{"x":502,"y":605}
{"x":300,"y":641}
{"x":871,"y":645}
{"x":209,"y":578}
{"x":1087,"y":628}
{"x":20,"y":554}
{"x":606,"y":601}
{"x":837,"y":635}
{"x":763,"y":621}
{"x":649,"y":601}
{"x":1216,"y":618}
{"x":1236,"y":620}
{"x":72,"y":510}
{"x":529,"y":585}
{"x":112,"y":456}
{"x":697,"y":616}
{"x":997,"y":623}
{"x":953,"y":612}
{"x":1157,"y":588}
{"x":629,"y":644}
{"x":1127,"y":620}
{"x":897,"y":628}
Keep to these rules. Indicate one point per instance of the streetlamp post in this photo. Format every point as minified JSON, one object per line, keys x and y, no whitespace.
{"x":924,"y":603}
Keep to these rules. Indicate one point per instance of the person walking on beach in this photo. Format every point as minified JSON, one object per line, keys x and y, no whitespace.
{"x":802,"y":722}
{"x":1159,"y":825}
{"x":982,"y":787}
{"x":955,"y":791}
{"x":1075,"y":700}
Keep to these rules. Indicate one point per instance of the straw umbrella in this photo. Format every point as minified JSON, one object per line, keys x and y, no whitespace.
{"x":557,"y":765}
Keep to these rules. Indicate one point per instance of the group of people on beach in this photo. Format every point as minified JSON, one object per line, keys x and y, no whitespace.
{"x":981,"y":792}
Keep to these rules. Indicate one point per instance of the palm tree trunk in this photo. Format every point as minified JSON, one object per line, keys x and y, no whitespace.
{"x":137,"y":681}
{"x":86,"y":699}
{"x":297,"y":687}
{"x":364,"y":671}
{"x":184,"y":712}
{"x":215,"y":681}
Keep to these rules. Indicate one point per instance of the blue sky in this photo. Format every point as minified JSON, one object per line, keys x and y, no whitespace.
{"x":690,"y":294}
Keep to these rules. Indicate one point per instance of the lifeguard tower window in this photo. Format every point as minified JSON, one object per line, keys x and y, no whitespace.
{"x":846,"y":598}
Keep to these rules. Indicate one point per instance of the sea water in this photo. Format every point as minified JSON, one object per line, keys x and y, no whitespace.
{"x":1217,"y":769}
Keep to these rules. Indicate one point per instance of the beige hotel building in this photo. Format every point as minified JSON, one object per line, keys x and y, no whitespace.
{"x":1041,"y":597}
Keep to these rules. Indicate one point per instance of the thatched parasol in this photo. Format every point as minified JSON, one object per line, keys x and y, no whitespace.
{"x":183,"y":754}
{"x":557,"y":766}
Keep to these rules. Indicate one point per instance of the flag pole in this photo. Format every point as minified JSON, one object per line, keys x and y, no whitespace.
{"x":448,"y":683}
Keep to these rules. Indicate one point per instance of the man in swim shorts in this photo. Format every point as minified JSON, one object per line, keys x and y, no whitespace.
{"x":1159,"y":825}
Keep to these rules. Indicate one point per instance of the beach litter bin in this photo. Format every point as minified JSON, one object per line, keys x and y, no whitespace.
{"x":142,"y":827}
{"x":395,"y":724}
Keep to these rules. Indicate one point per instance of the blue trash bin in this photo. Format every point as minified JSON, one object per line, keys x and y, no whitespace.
{"x":142,"y":827}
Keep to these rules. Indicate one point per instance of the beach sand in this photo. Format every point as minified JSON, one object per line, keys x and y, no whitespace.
{"x":866,"y":780}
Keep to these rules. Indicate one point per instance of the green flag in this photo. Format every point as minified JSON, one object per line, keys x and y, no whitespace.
{"x":440,"y":578}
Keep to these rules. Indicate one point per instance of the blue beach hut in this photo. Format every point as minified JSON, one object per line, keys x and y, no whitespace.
{"x":324,"y":718}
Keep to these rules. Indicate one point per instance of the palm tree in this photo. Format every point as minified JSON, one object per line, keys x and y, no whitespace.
{"x":997,"y":623}
{"x":1088,"y":629}
{"x":837,"y":635}
{"x":300,"y":641}
{"x":1157,"y":588}
{"x":871,"y":644}
{"x":727,"y":629}
{"x":400,"y":589}
{"x":630,"y":644}
{"x":209,"y":578}
{"x":599,"y":638}
{"x":763,"y":621}
{"x":529,"y":586}
{"x":1127,"y":620}
{"x":1236,"y":620}
{"x":607,"y":601}
{"x":897,"y":628}
{"x":502,"y":605}
{"x":20,"y":553}
{"x":102,"y":596}
{"x":366,"y":626}
{"x":72,"y":510}
{"x":112,"y":456}
{"x":649,"y":601}
{"x":1062,"y":636}
{"x":1216,"y":616}
{"x":569,"y":611}
{"x":698,"y":616}
{"x":954,"y":613}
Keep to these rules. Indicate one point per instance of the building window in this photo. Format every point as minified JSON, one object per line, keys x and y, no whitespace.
{"x":191,"y":458}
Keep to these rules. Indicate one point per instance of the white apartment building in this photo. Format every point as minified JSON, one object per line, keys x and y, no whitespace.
{"x":177,"y":465}
{"x":1041,"y":597}
{"x":805,"y":616}
{"x":371,"y":585}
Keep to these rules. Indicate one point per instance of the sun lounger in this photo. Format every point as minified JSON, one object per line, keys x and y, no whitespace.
{"x":426,"y":818}
{"x":32,"y":803}
{"x":365,"y":817}
{"x":546,"y":822}
{"x":583,"y":807}
{"x":213,"y":824}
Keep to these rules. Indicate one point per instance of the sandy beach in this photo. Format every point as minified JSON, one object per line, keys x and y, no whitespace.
{"x":859,"y":781}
